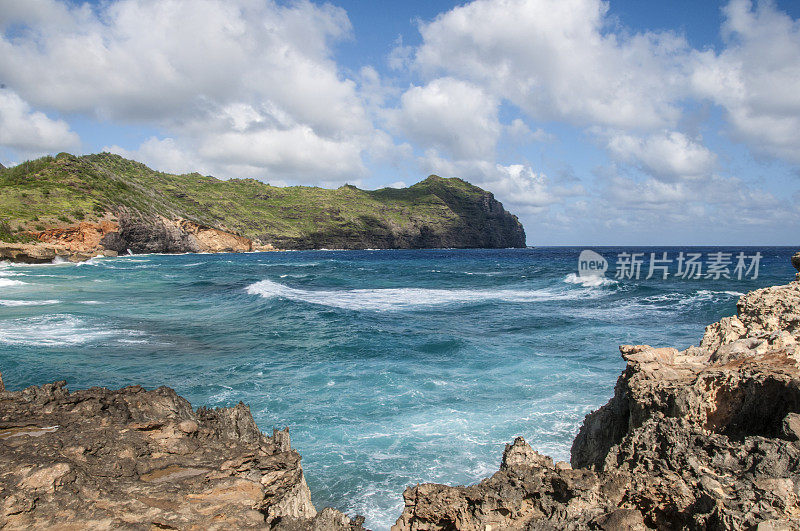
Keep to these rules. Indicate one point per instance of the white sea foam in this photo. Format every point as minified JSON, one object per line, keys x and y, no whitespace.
{"x":56,"y":330}
{"x":8,"y":282}
{"x":589,"y":282}
{"x":94,"y":261}
{"x":388,"y":299}
{"x":6,"y":302}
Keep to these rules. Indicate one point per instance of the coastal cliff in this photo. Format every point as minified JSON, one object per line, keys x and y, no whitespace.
{"x":704,"y":438}
{"x":58,"y":204}
{"x":139,"y":459}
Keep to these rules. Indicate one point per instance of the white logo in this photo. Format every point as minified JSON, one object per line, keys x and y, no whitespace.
{"x":591,"y":264}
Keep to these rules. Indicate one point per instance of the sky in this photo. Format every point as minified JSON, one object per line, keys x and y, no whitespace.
{"x":597,"y":123}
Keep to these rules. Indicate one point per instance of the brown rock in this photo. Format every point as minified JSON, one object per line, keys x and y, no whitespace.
{"x":791,"y":427}
{"x":84,"y":238}
{"x":31,"y":253}
{"x":144,"y":459}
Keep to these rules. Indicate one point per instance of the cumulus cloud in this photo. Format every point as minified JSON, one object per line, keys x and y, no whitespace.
{"x":554,"y":59}
{"x":669,"y":156}
{"x":756,"y":78}
{"x":161,"y":153}
{"x":566,"y":60}
{"x":516,"y":185}
{"x":519,"y":131}
{"x":30,"y":132}
{"x":236,"y":76}
{"x":450,"y":115}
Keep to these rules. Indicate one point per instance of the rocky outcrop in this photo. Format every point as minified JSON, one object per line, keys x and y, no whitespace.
{"x":157,"y":234}
{"x":138,"y":234}
{"x":704,"y":438}
{"x":30,"y":253}
{"x":85,"y":237}
{"x":139,"y":459}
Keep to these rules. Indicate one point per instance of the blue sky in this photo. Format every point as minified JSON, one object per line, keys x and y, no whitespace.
{"x":621,"y":122}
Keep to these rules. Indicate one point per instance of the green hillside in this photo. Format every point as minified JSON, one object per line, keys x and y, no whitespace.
{"x":61,"y":190}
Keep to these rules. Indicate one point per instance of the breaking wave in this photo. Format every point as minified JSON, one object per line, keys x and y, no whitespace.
{"x":388,"y":299}
{"x":8,"y":282}
{"x":58,"y":330}
{"x":589,"y":282}
{"x":6,"y":302}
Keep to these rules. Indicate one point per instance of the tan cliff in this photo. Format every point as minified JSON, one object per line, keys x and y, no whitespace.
{"x":111,"y":236}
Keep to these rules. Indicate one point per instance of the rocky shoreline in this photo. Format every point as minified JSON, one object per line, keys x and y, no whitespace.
{"x":704,"y":438}
{"x":137,"y":459}
{"x":123,"y":234}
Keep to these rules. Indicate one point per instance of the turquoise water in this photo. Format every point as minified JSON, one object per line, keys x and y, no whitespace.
{"x":389,"y":367}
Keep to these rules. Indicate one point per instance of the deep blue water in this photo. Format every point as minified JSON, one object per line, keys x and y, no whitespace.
{"x":389,"y":367}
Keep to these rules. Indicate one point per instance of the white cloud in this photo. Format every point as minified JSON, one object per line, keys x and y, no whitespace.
{"x":715,"y":205}
{"x":669,"y":156}
{"x":555,"y":60}
{"x":31,"y":132}
{"x":449,"y":115}
{"x":163,"y":154}
{"x":756,"y":78}
{"x":246,"y":154}
{"x":519,"y":131}
{"x":242,"y":75}
{"x":515,"y":185}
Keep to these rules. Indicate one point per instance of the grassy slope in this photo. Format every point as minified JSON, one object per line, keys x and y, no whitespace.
{"x":64,"y":189}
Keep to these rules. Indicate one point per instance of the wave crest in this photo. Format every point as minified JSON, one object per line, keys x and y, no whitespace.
{"x":7,"y":302}
{"x":8,"y":282}
{"x":388,"y":299}
{"x":589,"y":282}
{"x":59,"y":330}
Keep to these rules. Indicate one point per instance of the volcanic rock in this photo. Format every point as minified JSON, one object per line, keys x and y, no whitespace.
{"x":139,"y":459}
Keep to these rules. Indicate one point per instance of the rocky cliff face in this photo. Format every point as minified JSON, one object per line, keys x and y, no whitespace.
{"x":705,"y":438}
{"x":139,"y":459}
{"x":467,"y":222}
{"x":110,"y":237}
{"x":157,"y":234}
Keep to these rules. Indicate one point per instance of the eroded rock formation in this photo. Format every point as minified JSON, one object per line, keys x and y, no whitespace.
{"x":139,"y":459}
{"x":157,"y":234}
{"x":110,"y":237}
{"x":705,"y":438}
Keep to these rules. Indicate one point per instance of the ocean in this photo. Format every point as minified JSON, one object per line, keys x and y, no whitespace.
{"x":389,"y":367}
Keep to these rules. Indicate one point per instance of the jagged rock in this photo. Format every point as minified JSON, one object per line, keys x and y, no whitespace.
{"x":144,"y":459}
{"x":85,"y":237}
{"x":704,"y":438}
{"x":157,"y":234}
{"x":29,"y":253}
